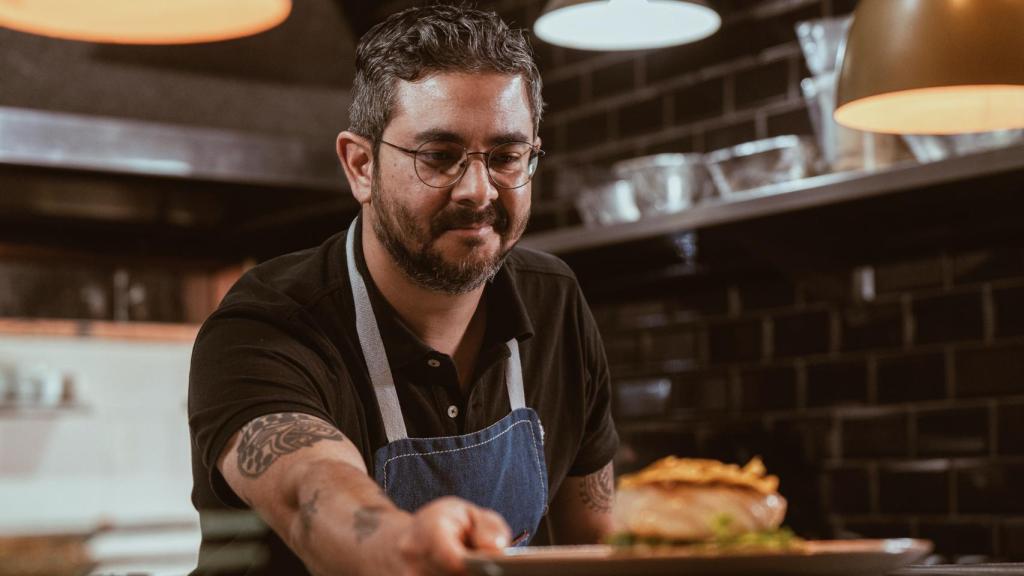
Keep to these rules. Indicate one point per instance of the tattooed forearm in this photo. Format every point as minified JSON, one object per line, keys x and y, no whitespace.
{"x":307,"y":510}
{"x":598,"y":490}
{"x":367,"y":520}
{"x":267,"y":438}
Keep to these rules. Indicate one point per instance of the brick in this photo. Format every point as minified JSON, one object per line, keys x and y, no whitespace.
{"x":991,"y":489}
{"x":999,"y":263}
{"x":906,"y":276}
{"x":953,"y":538}
{"x":761,"y":84}
{"x":801,"y":334}
{"x":731,"y":41}
{"x":678,"y":343}
{"x":1011,"y":429}
{"x":563,"y":94}
{"x":948,"y":318}
{"x":877,"y":529}
{"x":572,"y":56}
{"x":641,"y":117}
{"x":1009,"y":311}
{"x":780,"y":29}
{"x":849,"y":491}
{"x":990,"y":371}
{"x":699,"y":101}
{"x":837,"y":383}
{"x":730,"y":135}
{"x":956,"y":432}
{"x":621,"y":348}
{"x":738,"y":442}
{"x":901,"y":492}
{"x":613,"y":79}
{"x":589,"y":130}
{"x":811,"y":439}
{"x":796,"y":121}
{"x":681,"y":145}
{"x":832,"y":287}
{"x":638,"y":449}
{"x":704,"y":300}
{"x":1012,"y":538}
{"x":701,"y":392}
{"x":768,"y":388}
{"x":641,"y":313}
{"x":738,"y":341}
{"x":911,"y":378}
{"x":876,"y":437}
{"x":872,"y":327}
{"x":768,"y":293}
{"x":642,"y":397}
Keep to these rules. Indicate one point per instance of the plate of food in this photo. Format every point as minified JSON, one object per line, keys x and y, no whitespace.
{"x":703,"y":517}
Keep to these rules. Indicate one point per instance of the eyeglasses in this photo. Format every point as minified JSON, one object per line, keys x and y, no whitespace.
{"x":441,"y":163}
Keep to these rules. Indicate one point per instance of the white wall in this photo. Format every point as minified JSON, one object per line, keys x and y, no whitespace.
{"x":125,"y":458}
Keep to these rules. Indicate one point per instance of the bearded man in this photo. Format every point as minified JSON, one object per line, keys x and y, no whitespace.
{"x":416,"y":387}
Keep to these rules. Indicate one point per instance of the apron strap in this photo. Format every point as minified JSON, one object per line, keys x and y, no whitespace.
{"x":514,"y":377}
{"x":373,"y":347}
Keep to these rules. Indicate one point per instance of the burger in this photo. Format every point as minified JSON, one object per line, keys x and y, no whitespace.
{"x":705,"y":503}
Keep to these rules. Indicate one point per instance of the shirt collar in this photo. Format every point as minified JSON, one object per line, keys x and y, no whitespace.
{"x":507,"y":317}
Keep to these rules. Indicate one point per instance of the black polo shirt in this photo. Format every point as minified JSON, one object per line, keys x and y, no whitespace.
{"x":284,"y":340}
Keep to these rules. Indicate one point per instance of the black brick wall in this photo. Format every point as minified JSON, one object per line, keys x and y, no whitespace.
{"x":890,"y":414}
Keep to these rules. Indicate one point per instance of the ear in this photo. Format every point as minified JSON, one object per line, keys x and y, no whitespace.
{"x":356,"y":156}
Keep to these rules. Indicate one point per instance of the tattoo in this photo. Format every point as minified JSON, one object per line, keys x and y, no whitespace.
{"x":267,"y":438}
{"x":367,"y":520}
{"x":598,"y":490}
{"x":307,"y":510}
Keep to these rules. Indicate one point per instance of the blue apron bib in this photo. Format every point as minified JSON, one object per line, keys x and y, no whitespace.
{"x":500,"y":467}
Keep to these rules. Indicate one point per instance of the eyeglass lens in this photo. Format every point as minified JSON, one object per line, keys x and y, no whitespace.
{"x":440,"y":163}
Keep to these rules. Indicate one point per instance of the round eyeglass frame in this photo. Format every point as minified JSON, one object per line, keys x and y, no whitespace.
{"x":535,"y":155}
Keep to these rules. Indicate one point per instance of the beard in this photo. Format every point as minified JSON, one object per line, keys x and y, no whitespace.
{"x":415,"y":249}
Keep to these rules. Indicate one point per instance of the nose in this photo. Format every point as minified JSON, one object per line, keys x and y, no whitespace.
{"x":475,"y":186}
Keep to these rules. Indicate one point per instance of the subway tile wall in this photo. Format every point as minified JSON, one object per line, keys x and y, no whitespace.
{"x":889,"y":413}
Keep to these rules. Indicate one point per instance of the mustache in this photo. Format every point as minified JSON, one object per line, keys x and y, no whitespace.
{"x":494,"y":215}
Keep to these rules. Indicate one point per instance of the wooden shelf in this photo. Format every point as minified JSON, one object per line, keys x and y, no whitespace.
{"x":30,"y":411}
{"x":786,"y":197}
{"x":134,"y":331}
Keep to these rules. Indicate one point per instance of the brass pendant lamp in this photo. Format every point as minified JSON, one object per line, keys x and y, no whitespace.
{"x":934,"y":67}
{"x":144,"y":21}
{"x":625,"y":24}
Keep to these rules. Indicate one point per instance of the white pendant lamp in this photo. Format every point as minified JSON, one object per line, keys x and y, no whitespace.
{"x":625,"y":24}
{"x":934,"y":67}
{"x":144,"y":21}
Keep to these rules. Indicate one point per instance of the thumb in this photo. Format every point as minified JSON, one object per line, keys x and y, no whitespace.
{"x":487,"y":530}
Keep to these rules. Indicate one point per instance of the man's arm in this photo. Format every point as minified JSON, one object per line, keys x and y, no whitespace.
{"x":309,"y":483}
{"x":581,"y":512}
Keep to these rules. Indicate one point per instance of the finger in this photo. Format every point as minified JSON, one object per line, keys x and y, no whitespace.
{"x":488,"y":530}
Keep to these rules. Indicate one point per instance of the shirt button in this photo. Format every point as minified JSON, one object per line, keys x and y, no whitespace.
{"x":453,"y":411}
{"x":433,"y":362}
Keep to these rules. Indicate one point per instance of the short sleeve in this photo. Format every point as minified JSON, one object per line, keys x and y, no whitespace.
{"x":600,"y":439}
{"x":245,"y":366}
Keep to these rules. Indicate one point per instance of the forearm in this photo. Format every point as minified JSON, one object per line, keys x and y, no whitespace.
{"x":338,"y":521}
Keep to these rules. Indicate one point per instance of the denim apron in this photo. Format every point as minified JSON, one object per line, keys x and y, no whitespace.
{"x":500,"y":467}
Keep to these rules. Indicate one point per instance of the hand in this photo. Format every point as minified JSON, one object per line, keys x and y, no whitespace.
{"x":442,"y":532}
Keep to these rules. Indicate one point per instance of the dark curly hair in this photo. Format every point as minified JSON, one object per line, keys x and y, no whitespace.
{"x":419,"y":41}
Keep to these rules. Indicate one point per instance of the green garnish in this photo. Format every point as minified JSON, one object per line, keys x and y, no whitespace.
{"x":725,"y":539}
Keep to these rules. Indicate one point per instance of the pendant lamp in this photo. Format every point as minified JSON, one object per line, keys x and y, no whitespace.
{"x":144,"y":21}
{"x":625,"y":24}
{"x":934,"y":67}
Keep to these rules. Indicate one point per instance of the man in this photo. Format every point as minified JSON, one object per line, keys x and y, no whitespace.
{"x":415,"y":387}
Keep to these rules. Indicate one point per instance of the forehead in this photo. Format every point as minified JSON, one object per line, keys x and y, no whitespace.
{"x":475,"y":107}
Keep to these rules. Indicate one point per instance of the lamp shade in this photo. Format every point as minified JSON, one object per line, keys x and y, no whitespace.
{"x":144,"y":21}
{"x":934,"y":67}
{"x":625,"y":24}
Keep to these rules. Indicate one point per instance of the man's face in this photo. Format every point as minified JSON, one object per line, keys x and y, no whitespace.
{"x":451,"y":239}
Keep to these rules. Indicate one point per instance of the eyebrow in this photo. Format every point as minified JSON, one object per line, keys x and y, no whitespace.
{"x":449,"y":136}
